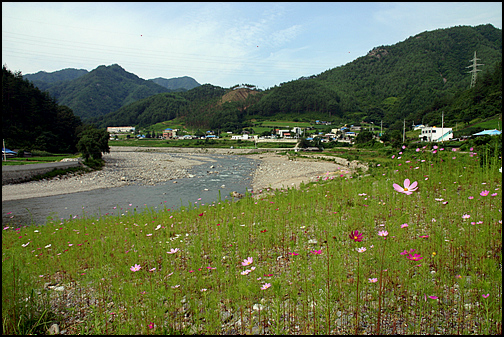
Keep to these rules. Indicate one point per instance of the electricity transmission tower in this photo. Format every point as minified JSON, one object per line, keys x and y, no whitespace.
{"x":474,"y":69}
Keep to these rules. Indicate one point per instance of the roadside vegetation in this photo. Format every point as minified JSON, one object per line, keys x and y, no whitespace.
{"x":414,"y":246}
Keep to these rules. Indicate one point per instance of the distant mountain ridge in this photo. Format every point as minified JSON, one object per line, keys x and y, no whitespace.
{"x":184,"y":82}
{"x":104,"y":89}
{"x":67,"y":74}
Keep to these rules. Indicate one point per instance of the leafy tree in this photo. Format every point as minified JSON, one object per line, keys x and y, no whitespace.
{"x":393,"y":137}
{"x":303,"y":143}
{"x":363,"y":137}
{"x":92,"y":143}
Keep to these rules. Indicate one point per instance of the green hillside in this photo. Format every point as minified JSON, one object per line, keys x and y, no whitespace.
{"x":409,"y":80}
{"x":391,"y":82}
{"x":177,"y":83}
{"x":162,"y":107}
{"x":103,"y":90}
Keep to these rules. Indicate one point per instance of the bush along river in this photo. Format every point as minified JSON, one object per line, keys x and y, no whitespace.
{"x":212,"y":181}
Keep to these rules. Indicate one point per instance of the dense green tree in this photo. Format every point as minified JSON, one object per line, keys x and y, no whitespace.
{"x":93,"y":143}
{"x":32,"y":119}
{"x":363,"y":137}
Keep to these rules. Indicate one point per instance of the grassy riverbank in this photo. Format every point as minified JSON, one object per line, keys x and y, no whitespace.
{"x":427,"y":262}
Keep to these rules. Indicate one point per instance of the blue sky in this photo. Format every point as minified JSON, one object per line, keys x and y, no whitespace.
{"x":224,"y":44}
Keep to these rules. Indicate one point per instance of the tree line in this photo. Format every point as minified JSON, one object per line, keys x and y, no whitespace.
{"x":32,"y":120}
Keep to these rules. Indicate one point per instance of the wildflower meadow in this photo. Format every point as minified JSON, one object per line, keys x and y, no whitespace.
{"x":413,"y":246}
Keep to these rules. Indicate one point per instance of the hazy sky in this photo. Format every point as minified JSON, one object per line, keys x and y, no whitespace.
{"x":219,"y":43}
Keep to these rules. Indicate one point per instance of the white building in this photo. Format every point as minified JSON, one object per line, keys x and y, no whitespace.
{"x":434,"y":134}
{"x":119,"y":129}
{"x":243,"y":137}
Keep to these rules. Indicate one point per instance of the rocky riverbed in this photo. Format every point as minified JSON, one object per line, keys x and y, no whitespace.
{"x":129,"y":165}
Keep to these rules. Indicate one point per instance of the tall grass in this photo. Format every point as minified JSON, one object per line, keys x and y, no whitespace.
{"x":438,"y":269}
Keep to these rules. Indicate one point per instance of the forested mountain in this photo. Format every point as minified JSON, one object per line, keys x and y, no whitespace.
{"x":43,"y":80}
{"x":103,"y":90}
{"x":482,"y":101}
{"x":177,"y":83}
{"x":391,"y":82}
{"x":32,"y":120}
{"x":162,"y":107}
{"x":408,"y":80}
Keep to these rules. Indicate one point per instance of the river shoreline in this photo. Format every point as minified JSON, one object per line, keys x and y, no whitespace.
{"x":149,"y":166}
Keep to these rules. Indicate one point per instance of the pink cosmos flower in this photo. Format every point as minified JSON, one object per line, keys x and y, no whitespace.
{"x":373,"y":280}
{"x":408,"y":188}
{"x":361,"y":249}
{"x":266,"y":286}
{"x":433,"y":297}
{"x":404,"y":225}
{"x":294,"y":254}
{"x":484,"y":193}
{"x":173,"y":251}
{"x":135,"y":268}
{"x":485,"y":296}
{"x":151,"y":325}
{"x":466,"y":216}
{"x":316,"y":251}
{"x":247,"y":261}
{"x":471,"y":197}
{"x":423,"y":236}
{"x":382,"y":233}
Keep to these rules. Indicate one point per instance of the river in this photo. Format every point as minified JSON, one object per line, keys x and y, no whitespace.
{"x":230,"y":173}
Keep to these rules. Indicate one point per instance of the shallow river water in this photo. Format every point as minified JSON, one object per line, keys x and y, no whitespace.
{"x":230,"y":173}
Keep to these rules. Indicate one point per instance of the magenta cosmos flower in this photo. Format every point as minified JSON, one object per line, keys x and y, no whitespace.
{"x":484,"y":193}
{"x":356,"y":236}
{"x":408,"y":188}
{"x":414,"y":257}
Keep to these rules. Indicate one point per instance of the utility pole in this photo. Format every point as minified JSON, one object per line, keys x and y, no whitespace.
{"x":404,"y":130}
{"x":381,"y":128}
{"x":474,"y":70}
{"x":442,"y":127}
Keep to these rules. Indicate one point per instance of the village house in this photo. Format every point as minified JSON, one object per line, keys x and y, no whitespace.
{"x":433,"y":134}
{"x":170,"y":133}
{"x":243,"y":137}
